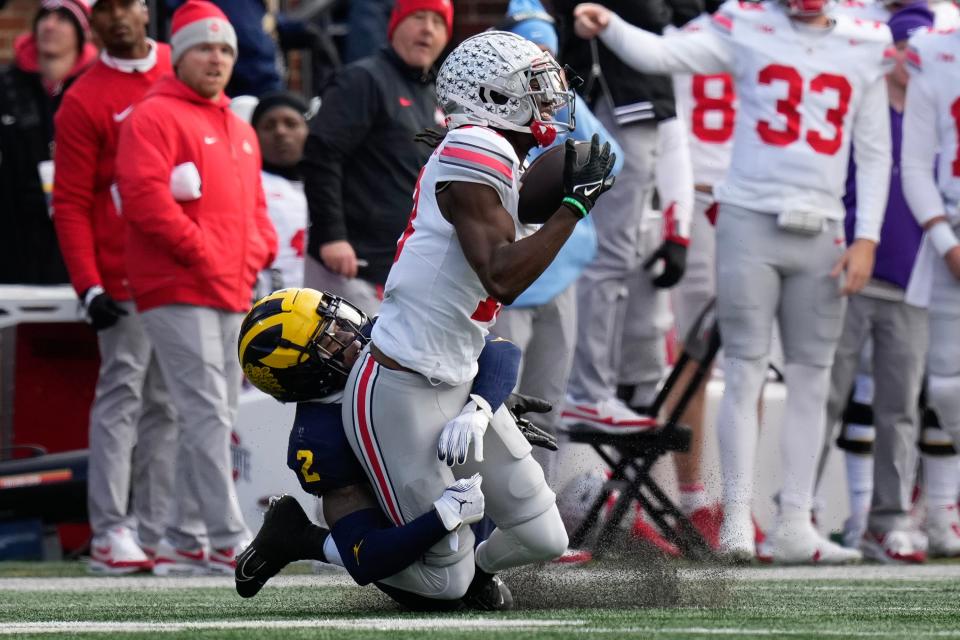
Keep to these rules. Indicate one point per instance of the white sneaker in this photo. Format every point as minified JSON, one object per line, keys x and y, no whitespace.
{"x":609,"y":416}
{"x":116,"y":553}
{"x":796,"y":541}
{"x":171,"y":561}
{"x":892,"y":547}
{"x":461,"y":503}
{"x":853,"y":529}
{"x":943,"y":531}
{"x":736,"y":542}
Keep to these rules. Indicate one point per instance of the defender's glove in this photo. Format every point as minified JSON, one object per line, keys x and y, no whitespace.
{"x":519,"y":404}
{"x":583,"y":182}
{"x":102,"y":310}
{"x":467,"y":427}
{"x":673,"y":252}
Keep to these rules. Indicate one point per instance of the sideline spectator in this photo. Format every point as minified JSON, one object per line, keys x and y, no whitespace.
{"x":188,"y":171}
{"x":624,"y":311}
{"x":257,"y":68}
{"x":878,"y":315}
{"x":280,"y":120}
{"x":46,"y":61}
{"x":361,"y":162}
{"x":131,"y":406}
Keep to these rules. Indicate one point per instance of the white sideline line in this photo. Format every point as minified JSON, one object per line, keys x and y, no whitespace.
{"x":373,"y":624}
{"x":435,"y":624}
{"x":714,"y":631}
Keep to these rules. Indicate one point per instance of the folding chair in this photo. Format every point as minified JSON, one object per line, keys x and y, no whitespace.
{"x":632,"y":456}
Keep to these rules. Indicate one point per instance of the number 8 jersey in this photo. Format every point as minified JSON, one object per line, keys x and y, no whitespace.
{"x":804,"y":93}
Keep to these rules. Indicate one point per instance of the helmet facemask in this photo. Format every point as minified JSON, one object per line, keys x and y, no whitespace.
{"x":295,"y":350}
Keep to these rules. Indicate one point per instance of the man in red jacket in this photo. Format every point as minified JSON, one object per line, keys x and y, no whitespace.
{"x":91,"y":235}
{"x":188,"y":172}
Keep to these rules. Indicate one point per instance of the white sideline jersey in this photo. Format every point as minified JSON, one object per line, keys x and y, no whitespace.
{"x":435,"y":312}
{"x":945,"y":12}
{"x":930,"y":126}
{"x":707,"y":105}
{"x":804,"y":94}
{"x":287,"y":207}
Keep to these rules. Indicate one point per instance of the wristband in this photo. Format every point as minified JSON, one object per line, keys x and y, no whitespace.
{"x":91,"y":293}
{"x":575,"y":206}
{"x":942,"y":237}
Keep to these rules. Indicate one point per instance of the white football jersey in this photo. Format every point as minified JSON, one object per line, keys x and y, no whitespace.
{"x":930,"y":127}
{"x":287,"y":207}
{"x":804,"y":94}
{"x":869,"y":10}
{"x":435,"y":312}
{"x":707,"y":105}
{"x":945,"y":13}
{"x":799,"y":90}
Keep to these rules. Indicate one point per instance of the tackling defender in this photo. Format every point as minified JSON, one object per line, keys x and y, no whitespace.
{"x":807,"y":84}
{"x":298,"y":345}
{"x":462,"y":255}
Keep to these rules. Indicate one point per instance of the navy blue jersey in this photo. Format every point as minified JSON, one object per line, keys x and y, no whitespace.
{"x":319,"y":452}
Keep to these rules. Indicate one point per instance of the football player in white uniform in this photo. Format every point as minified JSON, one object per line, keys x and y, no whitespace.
{"x":462,"y":255}
{"x":706,"y":103}
{"x":930,"y":164}
{"x":808,"y":83}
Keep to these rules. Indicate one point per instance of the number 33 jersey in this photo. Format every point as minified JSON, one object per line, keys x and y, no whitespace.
{"x":804,"y":93}
{"x":436,"y":312}
{"x":800,"y":92}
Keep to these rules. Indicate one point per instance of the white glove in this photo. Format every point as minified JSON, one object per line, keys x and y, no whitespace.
{"x":469,"y":426}
{"x":185,"y":183}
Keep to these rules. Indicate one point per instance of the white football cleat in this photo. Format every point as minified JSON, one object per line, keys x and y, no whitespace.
{"x":116,"y":552}
{"x":796,"y":541}
{"x":461,"y":503}
{"x":892,"y":547}
{"x":224,"y":561}
{"x":943,"y":531}
{"x":171,"y":561}
{"x":737,"y":543}
{"x":609,"y":416}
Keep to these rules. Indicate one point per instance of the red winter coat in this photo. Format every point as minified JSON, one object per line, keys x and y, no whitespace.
{"x":90,"y":230}
{"x":205,"y":252}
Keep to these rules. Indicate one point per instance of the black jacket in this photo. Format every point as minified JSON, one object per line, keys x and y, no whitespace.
{"x":361,"y":162}
{"x":636,"y":96}
{"x":29,"y":252}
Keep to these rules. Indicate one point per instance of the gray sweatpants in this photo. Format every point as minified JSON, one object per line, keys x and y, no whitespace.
{"x":360,"y":292}
{"x":197,"y":351}
{"x":546,"y":336}
{"x":620,"y":315}
{"x":899,"y":335}
{"x":133,"y":434}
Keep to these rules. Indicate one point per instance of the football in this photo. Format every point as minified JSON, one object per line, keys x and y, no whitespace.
{"x":541,"y":187}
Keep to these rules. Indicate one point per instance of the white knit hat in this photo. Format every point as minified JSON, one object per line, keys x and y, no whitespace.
{"x":198,"y":22}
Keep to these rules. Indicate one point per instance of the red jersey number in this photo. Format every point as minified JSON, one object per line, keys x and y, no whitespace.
{"x":720,"y":104}
{"x":487,"y":310}
{"x":955,"y":112}
{"x":788,"y":106}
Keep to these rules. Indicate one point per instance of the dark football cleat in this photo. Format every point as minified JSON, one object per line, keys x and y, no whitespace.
{"x":284,"y":523}
{"x":488,"y":593}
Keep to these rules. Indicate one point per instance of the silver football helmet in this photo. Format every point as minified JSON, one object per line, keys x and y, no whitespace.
{"x":502,"y":80}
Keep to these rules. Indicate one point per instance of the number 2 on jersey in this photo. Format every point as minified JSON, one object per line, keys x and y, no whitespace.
{"x":307,"y":457}
{"x":788,"y":107}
